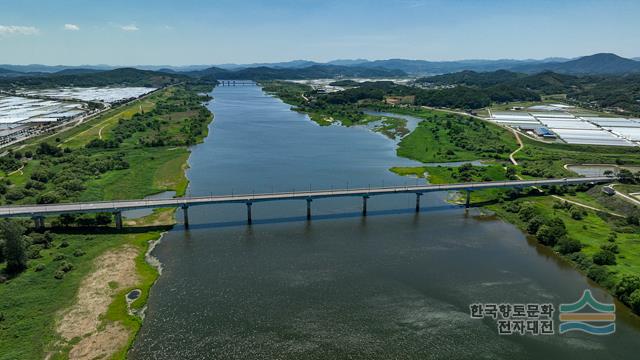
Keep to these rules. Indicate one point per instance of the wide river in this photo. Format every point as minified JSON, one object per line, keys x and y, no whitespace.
{"x":395,"y":284}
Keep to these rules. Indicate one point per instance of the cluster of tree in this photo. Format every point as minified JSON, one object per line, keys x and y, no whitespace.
{"x":60,"y":175}
{"x":627,"y":177}
{"x":471,"y":135}
{"x":462,"y":97}
{"x":17,"y":248}
{"x":153,"y":126}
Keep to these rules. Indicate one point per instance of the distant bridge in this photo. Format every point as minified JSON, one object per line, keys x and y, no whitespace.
{"x":38,"y":212}
{"x":235,"y":82}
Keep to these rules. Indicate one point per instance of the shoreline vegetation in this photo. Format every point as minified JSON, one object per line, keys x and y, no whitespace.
{"x":578,"y":223}
{"x":68,"y":300}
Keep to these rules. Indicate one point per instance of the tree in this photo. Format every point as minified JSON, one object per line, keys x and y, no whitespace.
{"x":534,"y":224}
{"x":14,"y":246}
{"x":546,"y":235}
{"x":627,"y":284}
{"x":634,"y":301}
{"x":568,"y":246}
{"x":604,"y":257}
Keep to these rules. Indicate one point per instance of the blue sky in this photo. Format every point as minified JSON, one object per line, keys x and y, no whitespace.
{"x":132,"y":32}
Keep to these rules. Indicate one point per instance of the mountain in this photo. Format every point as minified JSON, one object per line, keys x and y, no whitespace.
{"x":293,"y":64}
{"x":123,"y":76}
{"x":423,"y":67}
{"x":598,"y":64}
{"x":309,"y":72}
{"x":347,"y":62}
{"x":9,"y":73}
{"x":76,"y":71}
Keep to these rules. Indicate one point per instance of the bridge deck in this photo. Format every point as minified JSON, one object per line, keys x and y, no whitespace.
{"x":121,"y":205}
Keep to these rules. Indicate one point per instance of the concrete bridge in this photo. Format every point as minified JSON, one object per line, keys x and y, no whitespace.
{"x":38,"y":212}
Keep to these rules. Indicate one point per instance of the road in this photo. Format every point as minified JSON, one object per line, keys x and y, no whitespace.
{"x":117,"y":206}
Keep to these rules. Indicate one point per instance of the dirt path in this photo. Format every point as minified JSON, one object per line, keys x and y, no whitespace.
{"x":521,"y":146}
{"x":587,"y":206}
{"x":115,"y":271}
{"x":100,"y":132}
{"x":17,"y":171}
{"x":625,"y":197}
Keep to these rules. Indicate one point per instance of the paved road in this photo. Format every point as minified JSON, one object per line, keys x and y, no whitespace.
{"x":117,"y":206}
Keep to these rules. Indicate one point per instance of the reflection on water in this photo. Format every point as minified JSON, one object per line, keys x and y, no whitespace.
{"x":396,"y":284}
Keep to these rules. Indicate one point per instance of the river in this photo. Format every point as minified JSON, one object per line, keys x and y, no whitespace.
{"x":395,"y":284}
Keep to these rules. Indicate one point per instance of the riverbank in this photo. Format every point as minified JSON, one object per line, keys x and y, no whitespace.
{"x":102,"y":265}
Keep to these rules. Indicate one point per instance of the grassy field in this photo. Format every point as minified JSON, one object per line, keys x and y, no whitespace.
{"x":443,"y":137}
{"x":151,"y":171}
{"x":467,"y":173}
{"x":80,"y":136}
{"x":32,"y":302}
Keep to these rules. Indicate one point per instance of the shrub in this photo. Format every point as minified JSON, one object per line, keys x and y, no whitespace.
{"x":66,"y":266}
{"x":59,"y":257}
{"x":50,"y":197}
{"x":568,"y":246}
{"x":634,"y":301}
{"x":577,"y":214}
{"x":33,"y":252}
{"x":613,"y":247}
{"x":39,"y":268}
{"x":627,"y":284}
{"x":604,"y":257}
{"x":526,"y":212}
{"x":59,"y":274}
{"x":78,"y":252}
{"x":534,"y":224}
{"x":597,"y":273}
{"x":63,"y":244}
{"x":582,"y":261}
{"x":15,"y":194}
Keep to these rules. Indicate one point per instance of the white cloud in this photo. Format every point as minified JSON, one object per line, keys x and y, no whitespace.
{"x":18,"y":30}
{"x":130,"y":27}
{"x":71,"y":27}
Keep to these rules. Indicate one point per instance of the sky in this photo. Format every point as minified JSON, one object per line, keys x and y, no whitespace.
{"x":165,"y":32}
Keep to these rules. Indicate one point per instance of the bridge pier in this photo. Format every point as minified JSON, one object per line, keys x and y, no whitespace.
{"x":467,"y":203}
{"x":249,"y":220}
{"x":118,"y":217}
{"x":185,"y":214}
{"x":309,"y":200}
{"x":364,"y":205}
{"x":38,"y":222}
{"x":418,"y":195}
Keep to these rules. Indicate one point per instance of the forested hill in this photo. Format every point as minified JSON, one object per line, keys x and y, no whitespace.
{"x":309,"y":72}
{"x":124,"y":76}
{"x":607,"y":91}
{"x":546,"y":82}
{"x":597,"y":64}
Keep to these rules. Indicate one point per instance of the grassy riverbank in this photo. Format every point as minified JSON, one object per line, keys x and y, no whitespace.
{"x":130,"y":152}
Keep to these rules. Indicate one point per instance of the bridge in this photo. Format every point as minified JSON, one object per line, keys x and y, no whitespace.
{"x":38,"y":212}
{"x":235,"y":82}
